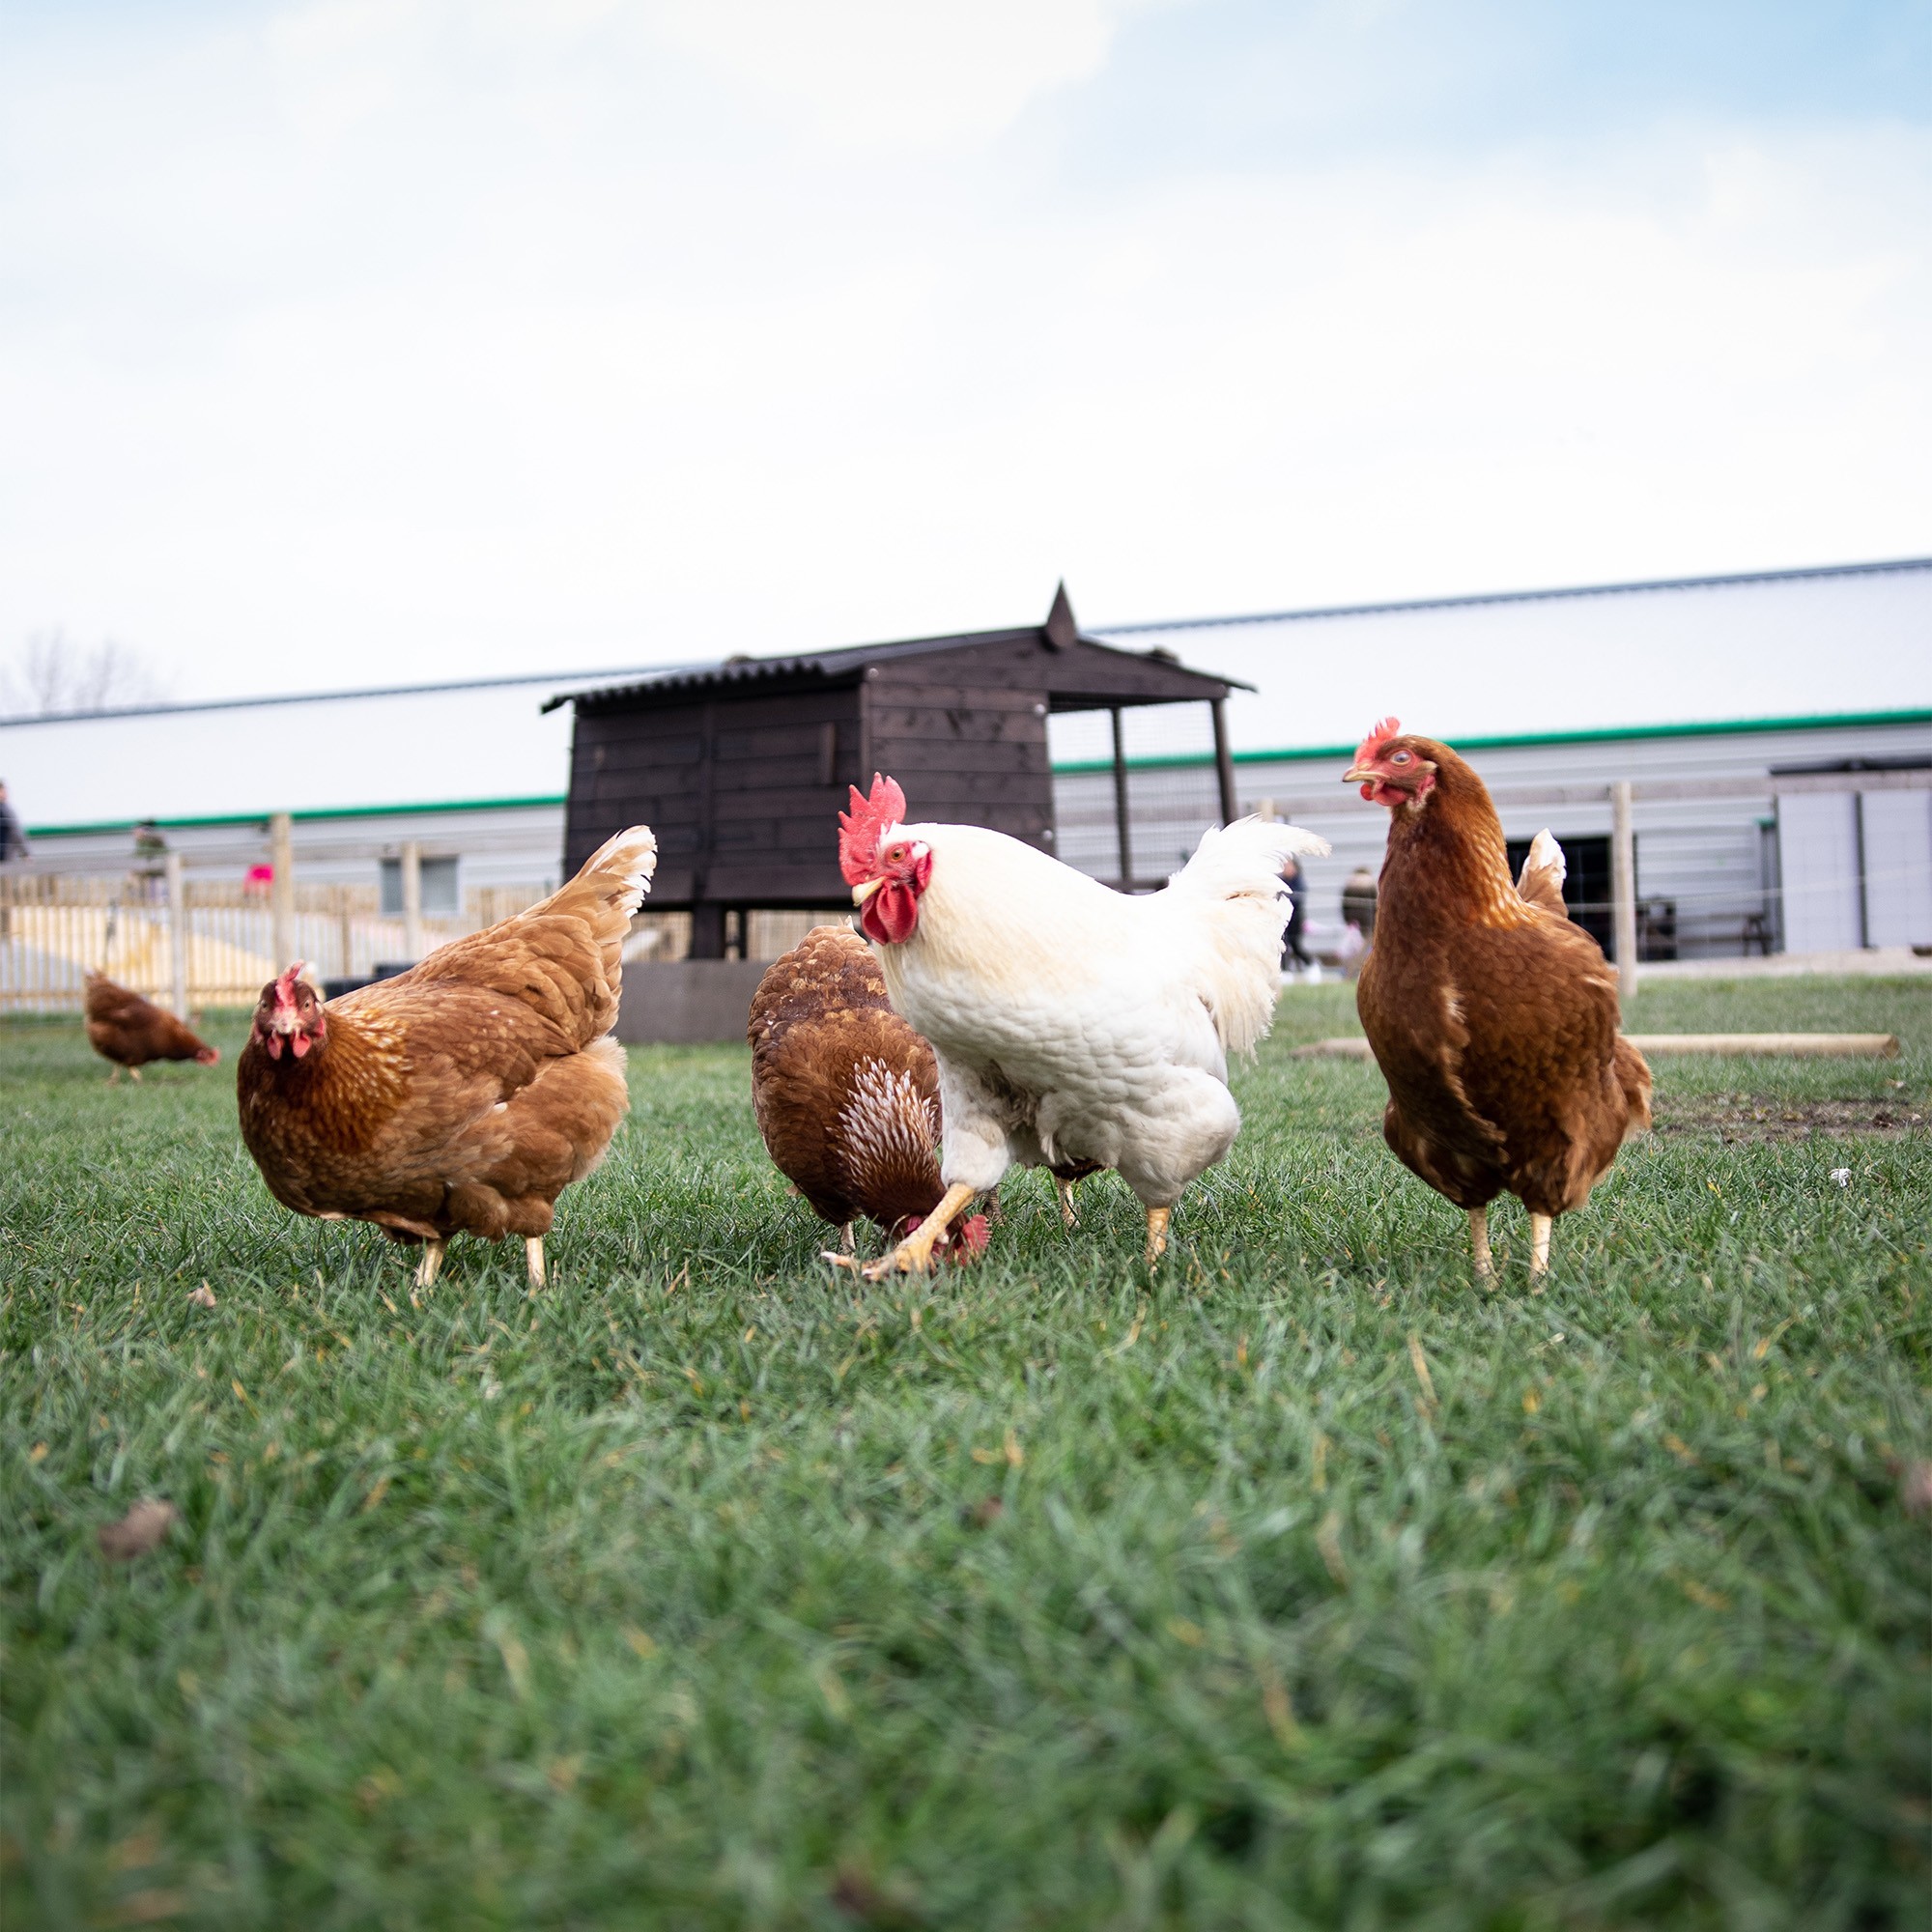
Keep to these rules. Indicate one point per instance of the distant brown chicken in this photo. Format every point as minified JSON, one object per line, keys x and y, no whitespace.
{"x":129,"y":1031}
{"x":846,"y":1094}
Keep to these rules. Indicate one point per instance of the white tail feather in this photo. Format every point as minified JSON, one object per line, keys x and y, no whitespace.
{"x":1233,"y":887}
{"x":1546,"y":854}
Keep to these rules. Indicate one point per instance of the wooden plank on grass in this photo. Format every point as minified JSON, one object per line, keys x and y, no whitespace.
{"x":1755,"y":1045}
{"x":1781,"y":1046}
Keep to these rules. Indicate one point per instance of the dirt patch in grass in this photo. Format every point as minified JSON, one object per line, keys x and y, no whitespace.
{"x":1747,"y":1117}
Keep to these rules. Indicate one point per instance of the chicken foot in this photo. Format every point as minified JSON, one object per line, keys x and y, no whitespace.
{"x":1158,"y":1218}
{"x":847,"y":1254}
{"x":914,"y":1254}
{"x":1479,"y":1242}
{"x":431,"y":1264}
{"x":1539,"y":1246}
{"x":534,"y":1258}
{"x":1068,"y":1216}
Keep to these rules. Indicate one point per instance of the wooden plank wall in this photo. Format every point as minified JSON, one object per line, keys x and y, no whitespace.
{"x":965,"y":736}
{"x":744,"y":787}
{"x":743,"y":792}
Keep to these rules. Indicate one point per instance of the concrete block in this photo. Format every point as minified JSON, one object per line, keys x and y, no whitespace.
{"x":688,"y":1001}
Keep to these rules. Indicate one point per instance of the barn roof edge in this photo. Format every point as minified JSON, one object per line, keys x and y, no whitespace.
{"x":848,"y":661}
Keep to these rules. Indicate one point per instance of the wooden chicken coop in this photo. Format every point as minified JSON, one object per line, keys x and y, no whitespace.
{"x":741,"y":767}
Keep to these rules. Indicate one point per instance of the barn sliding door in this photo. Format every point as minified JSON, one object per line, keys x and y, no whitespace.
{"x":1818,"y":860}
{"x":1899,"y":867}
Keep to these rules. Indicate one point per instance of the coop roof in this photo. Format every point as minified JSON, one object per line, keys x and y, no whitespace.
{"x":1079,"y":673}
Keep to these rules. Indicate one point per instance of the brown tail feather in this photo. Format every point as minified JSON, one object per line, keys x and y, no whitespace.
{"x":564,"y":956}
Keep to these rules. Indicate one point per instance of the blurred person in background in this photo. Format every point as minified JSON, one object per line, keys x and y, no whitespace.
{"x":13,"y":839}
{"x":150,"y":867}
{"x":1358,"y":902}
{"x":1298,"y":920}
{"x":1358,"y":910}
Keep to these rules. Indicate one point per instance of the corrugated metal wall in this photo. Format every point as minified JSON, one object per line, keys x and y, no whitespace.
{"x":1712,"y":858}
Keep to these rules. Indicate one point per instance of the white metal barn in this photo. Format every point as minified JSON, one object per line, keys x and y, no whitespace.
{"x":1753,"y":831}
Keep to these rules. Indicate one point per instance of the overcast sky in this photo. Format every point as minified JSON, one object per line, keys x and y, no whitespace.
{"x":382,"y":339}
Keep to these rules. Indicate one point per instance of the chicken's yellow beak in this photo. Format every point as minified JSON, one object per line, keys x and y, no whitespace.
{"x":860,"y":894}
{"x":1358,"y":775}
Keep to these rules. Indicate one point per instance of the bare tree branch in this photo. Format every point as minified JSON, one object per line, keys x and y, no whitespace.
{"x":54,"y":674}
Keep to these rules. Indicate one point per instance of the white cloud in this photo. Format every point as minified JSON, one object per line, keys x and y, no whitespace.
{"x":897,"y":73}
{"x":402,"y":338}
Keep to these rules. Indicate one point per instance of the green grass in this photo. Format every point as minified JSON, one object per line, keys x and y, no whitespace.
{"x":1304,"y":1586}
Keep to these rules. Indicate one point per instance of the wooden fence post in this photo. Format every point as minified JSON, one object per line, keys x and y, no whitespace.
{"x":171,"y":872}
{"x":1623,"y":888}
{"x":412,"y":901}
{"x":345,"y":932}
{"x":282,"y":889}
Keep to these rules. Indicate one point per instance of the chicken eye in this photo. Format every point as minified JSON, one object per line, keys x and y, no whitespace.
{"x":1399,"y":758}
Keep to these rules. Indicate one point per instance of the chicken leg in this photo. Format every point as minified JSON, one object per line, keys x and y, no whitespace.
{"x":1479,"y":1241}
{"x":1539,"y":1245}
{"x":534,"y":1257}
{"x":1068,"y":1216}
{"x":1157,"y":1246}
{"x":431,"y":1264}
{"x":914,"y":1254}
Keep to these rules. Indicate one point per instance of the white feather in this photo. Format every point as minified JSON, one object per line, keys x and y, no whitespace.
{"x":1075,"y":1023}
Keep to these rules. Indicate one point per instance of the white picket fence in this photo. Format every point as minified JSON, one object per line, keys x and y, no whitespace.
{"x":55,"y":929}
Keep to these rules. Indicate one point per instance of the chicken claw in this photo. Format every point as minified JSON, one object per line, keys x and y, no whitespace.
{"x":1070,"y":1218}
{"x":1479,"y":1241}
{"x":431,"y":1263}
{"x":914,"y":1254}
{"x":1156,"y":1234}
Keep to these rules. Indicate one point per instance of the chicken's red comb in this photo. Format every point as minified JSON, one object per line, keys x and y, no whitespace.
{"x":285,"y":984}
{"x":1371,"y":745}
{"x":972,"y":1237}
{"x":860,"y":829}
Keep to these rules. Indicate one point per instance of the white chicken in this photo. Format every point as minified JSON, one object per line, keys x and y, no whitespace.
{"x":1074,"y":1027}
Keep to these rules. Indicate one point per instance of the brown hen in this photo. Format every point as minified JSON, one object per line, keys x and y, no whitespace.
{"x":129,"y":1031}
{"x":845,"y":1093}
{"x":463,"y":1095}
{"x":1493,"y":1017}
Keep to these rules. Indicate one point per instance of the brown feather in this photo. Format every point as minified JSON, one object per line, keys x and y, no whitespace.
{"x":125,"y":1028}
{"x":465,"y":1095}
{"x":845,"y":1093}
{"x":1493,"y":1016}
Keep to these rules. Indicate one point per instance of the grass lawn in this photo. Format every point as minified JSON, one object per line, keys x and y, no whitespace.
{"x":1303,"y":1586}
